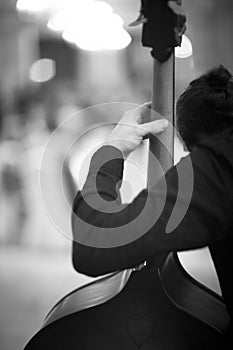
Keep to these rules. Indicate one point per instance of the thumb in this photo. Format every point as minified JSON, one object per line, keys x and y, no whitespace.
{"x":154,"y":127}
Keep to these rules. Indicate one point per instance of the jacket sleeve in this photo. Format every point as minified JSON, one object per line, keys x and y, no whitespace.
{"x":110,"y":236}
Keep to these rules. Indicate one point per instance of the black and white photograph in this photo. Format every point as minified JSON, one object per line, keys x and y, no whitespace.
{"x":116,"y":174}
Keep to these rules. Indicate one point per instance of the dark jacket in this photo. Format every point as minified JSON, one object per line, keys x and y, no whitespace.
{"x":208,"y":221}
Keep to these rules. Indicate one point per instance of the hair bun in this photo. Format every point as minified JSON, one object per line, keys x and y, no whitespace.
{"x":218,"y":79}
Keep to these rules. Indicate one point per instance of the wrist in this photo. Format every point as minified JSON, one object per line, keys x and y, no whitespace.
{"x":117,"y":144}
{"x":108,"y":157}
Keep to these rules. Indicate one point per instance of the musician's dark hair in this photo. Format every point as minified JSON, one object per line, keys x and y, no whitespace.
{"x":206,"y":106}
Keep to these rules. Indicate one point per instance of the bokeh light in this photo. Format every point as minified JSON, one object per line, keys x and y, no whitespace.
{"x":42,"y":70}
{"x":185,"y":50}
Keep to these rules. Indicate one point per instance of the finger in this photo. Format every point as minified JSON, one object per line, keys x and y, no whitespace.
{"x":147,"y":104}
{"x":148,"y":114}
{"x":143,"y":112}
{"x":154,"y":127}
{"x":156,"y":115}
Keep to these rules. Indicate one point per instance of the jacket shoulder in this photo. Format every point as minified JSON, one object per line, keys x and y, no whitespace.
{"x":221,"y":147}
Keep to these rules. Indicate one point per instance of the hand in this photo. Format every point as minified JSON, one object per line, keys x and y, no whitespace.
{"x":133,"y":127}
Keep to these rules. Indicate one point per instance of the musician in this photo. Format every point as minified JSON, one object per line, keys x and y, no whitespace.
{"x":148,"y":319}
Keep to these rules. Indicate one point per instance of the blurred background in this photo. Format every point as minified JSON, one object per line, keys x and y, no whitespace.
{"x":58,"y":58}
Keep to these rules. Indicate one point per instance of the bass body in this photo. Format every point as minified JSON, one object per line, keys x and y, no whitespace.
{"x":147,"y":311}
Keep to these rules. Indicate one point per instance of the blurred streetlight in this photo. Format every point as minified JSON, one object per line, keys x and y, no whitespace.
{"x":42,"y":70}
{"x":185,"y":50}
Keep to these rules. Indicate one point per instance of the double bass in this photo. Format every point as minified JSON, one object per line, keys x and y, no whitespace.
{"x":156,"y":305}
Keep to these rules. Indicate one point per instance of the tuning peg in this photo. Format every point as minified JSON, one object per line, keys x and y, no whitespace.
{"x":179,"y":31}
{"x":176,"y":7}
{"x":141,"y":19}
